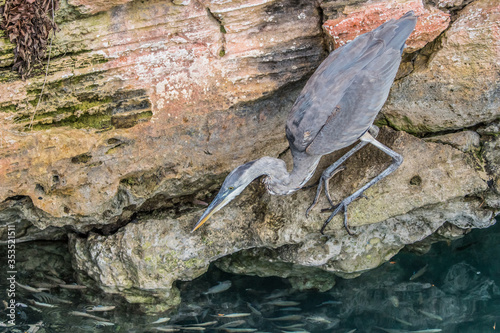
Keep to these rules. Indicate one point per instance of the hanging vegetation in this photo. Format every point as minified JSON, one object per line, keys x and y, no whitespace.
{"x":27,"y":24}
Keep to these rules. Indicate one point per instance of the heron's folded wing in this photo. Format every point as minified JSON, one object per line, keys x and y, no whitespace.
{"x":355,"y":78}
{"x":359,"y":105}
{"x":326,"y":88}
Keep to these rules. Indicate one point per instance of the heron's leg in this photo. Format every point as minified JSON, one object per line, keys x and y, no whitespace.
{"x":373,"y":130}
{"x":335,"y":212}
{"x":396,"y":162}
{"x":329,"y":173}
{"x":327,"y":184}
{"x":323,"y":181}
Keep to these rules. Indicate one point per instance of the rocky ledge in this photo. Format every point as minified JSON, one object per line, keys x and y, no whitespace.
{"x":149,"y":104}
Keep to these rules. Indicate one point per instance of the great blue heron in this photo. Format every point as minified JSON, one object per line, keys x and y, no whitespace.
{"x":336,"y":108}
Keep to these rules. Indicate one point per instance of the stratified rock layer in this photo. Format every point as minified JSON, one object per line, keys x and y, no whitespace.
{"x":455,"y":86}
{"x":144,"y":89}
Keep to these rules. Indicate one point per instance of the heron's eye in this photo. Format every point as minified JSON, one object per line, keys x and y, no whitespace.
{"x":230,"y":188}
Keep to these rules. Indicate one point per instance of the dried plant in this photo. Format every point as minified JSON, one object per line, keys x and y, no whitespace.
{"x":27,"y":24}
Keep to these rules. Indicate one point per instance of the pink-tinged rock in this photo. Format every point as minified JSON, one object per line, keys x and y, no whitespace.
{"x":95,"y":6}
{"x":359,"y":20}
{"x":148,"y":85}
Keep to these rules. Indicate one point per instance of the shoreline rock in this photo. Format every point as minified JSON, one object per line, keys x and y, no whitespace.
{"x":148,"y":105}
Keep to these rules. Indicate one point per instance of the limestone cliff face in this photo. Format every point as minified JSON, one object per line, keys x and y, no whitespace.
{"x":149,"y":104}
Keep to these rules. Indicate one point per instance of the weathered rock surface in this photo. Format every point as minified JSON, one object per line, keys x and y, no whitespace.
{"x":450,"y":4}
{"x":361,"y":18}
{"x":94,"y":7}
{"x":492,"y":157}
{"x":140,"y":92}
{"x":149,"y":104}
{"x":456,"y":84}
{"x":465,"y":141}
{"x":154,"y":251}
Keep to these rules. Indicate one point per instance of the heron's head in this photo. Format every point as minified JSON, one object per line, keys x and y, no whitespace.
{"x":234,"y":184}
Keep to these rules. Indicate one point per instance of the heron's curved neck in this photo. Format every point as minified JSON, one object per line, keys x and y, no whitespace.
{"x":280,"y":181}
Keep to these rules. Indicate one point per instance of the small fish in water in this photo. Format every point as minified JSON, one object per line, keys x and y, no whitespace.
{"x":167,"y":329}
{"x":52,"y":271}
{"x":282,"y":303}
{"x":233,"y":323}
{"x":208,"y":323}
{"x":54,"y":279}
{"x":160,"y":321}
{"x":222,"y":286}
{"x":329,"y":303}
{"x":99,"y":323}
{"x":430,"y":330}
{"x":3,"y":324}
{"x":419,"y":273}
{"x":404,"y":322}
{"x":35,"y":309}
{"x":233,"y":315}
{"x":318,"y":320}
{"x":86,"y":315}
{"x":49,"y":298}
{"x":300,"y":331}
{"x":32,"y":289}
{"x":193,"y":328}
{"x":394,"y":301}
{"x":254,"y":310}
{"x":72,"y":286}
{"x":291,"y":309}
{"x":35,"y":327}
{"x":291,"y":327}
{"x":286,"y":318}
{"x":412,"y":286}
{"x":239,"y":330}
{"x":390,"y":330}
{"x":99,"y":308}
{"x":47,"y":285}
{"x":431,"y":315}
{"x":43,"y":305}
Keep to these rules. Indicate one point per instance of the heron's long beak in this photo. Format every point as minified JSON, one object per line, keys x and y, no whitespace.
{"x":220,"y":201}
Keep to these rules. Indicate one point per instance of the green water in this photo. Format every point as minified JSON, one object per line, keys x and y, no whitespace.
{"x":457,"y":291}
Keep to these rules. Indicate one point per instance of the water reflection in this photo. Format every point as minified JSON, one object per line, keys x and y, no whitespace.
{"x":452,"y":288}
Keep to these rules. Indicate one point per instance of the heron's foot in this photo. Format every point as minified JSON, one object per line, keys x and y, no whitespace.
{"x":329,"y":209}
{"x":323,"y":181}
{"x":343,"y":205}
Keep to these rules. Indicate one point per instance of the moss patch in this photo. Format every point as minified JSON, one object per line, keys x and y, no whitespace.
{"x":81,"y":159}
{"x":127,"y":121}
{"x":8,"y":108}
{"x":405,"y":124}
{"x":98,"y":121}
{"x":123,"y":109}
